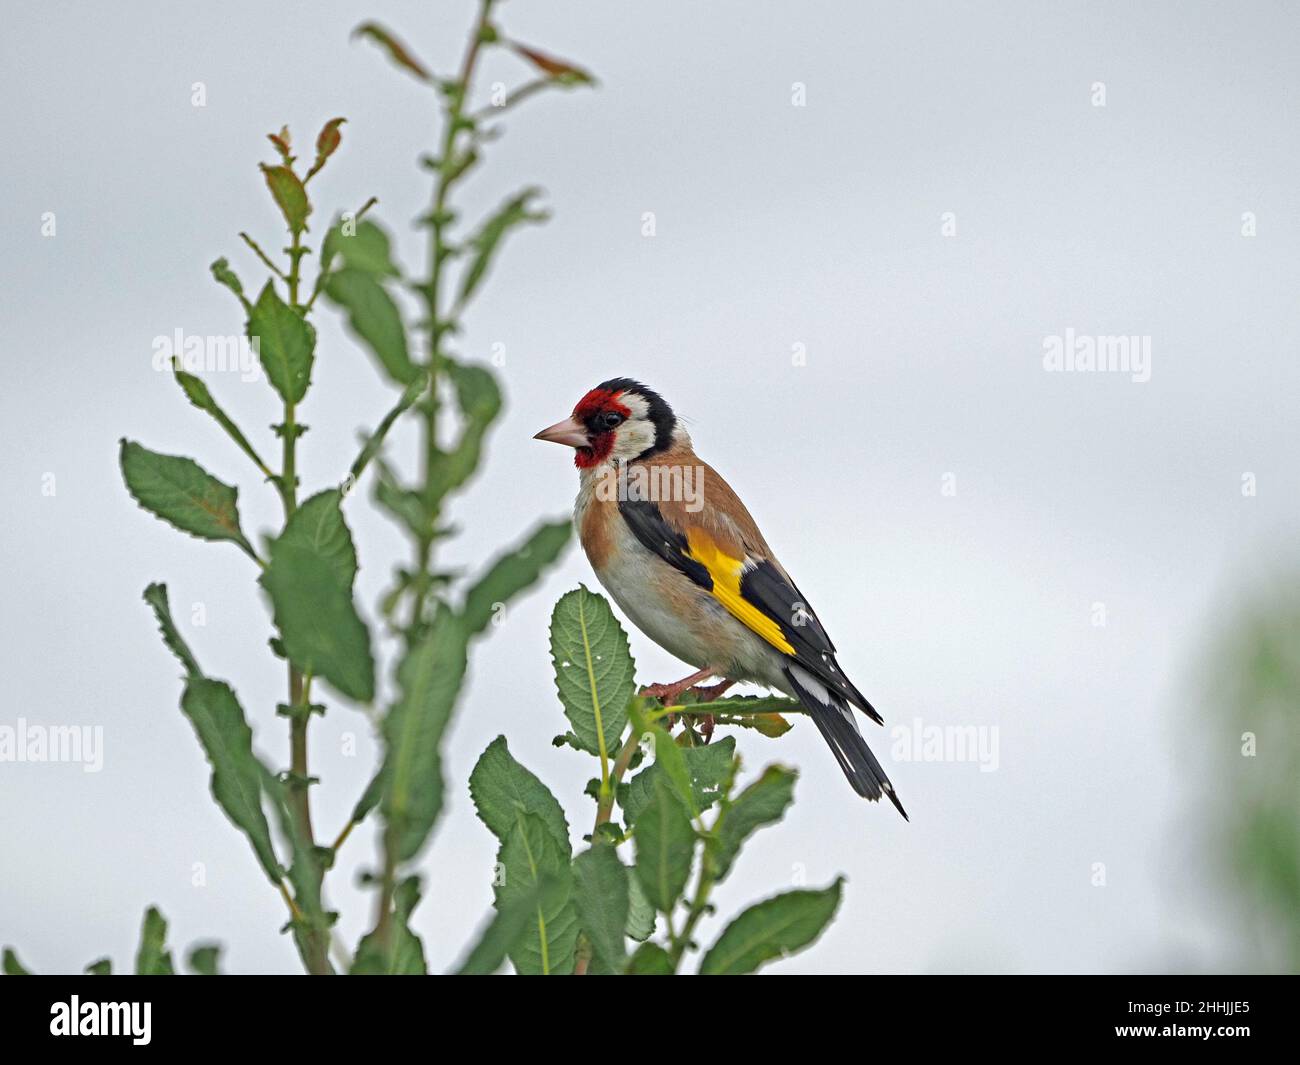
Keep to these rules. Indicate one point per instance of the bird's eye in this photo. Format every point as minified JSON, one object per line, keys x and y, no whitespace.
{"x":611,"y":419}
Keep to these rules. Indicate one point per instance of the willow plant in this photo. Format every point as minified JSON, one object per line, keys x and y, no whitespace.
{"x":678,"y":799}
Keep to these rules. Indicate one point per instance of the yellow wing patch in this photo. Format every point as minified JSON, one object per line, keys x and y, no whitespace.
{"x":725,"y":572}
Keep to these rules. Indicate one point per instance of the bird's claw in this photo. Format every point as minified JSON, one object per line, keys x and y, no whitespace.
{"x":710,"y":692}
{"x":665,"y":693}
{"x":670,"y":693}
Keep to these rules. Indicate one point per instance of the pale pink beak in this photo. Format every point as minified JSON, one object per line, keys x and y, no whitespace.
{"x":569,"y":432}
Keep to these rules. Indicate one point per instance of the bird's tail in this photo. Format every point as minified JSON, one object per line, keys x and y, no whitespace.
{"x":833,"y":716}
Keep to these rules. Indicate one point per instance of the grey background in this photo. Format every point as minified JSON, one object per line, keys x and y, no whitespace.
{"x":776,"y":225}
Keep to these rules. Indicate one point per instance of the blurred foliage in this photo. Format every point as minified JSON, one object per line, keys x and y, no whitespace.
{"x":1256,"y":775}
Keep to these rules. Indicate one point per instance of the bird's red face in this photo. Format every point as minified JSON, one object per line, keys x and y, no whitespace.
{"x":592,"y":429}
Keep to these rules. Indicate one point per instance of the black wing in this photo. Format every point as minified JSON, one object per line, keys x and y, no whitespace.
{"x":762,"y":586}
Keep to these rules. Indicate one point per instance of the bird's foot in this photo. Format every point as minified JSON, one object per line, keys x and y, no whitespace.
{"x":706,"y":694}
{"x":712,"y":691}
{"x":670,"y":693}
{"x":704,"y":723}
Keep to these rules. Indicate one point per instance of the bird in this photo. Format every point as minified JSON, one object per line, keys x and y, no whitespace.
{"x":680,"y":554}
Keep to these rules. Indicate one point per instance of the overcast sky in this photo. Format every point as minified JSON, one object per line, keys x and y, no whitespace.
{"x":959,"y":516}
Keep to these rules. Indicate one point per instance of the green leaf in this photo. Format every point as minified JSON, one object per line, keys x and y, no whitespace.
{"x":405,"y":956}
{"x":501,"y":787}
{"x":364,"y":245}
{"x":197,"y":393}
{"x":600,"y":898}
{"x":370,"y":797}
{"x":11,"y":965}
{"x":372,"y":443}
{"x":514,"y":212}
{"x":318,"y":621}
{"x":102,"y":967}
{"x":710,"y":768}
{"x":705,"y":770}
{"x":530,"y":860}
{"x":479,"y":399}
{"x":507,"y":926}
{"x":318,"y":526}
{"x":156,"y":596}
{"x":238,"y":777}
{"x":762,"y":713}
{"x":671,"y":760}
{"x":764,"y":802}
{"x":183,"y":494}
{"x":404,"y":504}
{"x":665,"y":846}
{"x":512,"y":572}
{"x":153,"y":957}
{"x":286,"y":344}
{"x":771,"y":725}
{"x":374,"y":317}
{"x":775,"y":928}
{"x":397,"y":52}
{"x":594,"y":671}
{"x":218,"y":721}
{"x":227,"y":277}
{"x":461,"y":164}
{"x":650,"y":959}
{"x":429,"y":679}
{"x":227,"y":741}
{"x":205,"y":960}
{"x":640,"y":912}
{"x":290,"y":196}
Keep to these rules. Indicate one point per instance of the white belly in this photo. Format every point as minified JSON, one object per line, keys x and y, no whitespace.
{"x":625,"y":577}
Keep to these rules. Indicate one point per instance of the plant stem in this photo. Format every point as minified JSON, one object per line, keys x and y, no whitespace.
{"x":316,"y":941}
{"x":383,"y":921}
{"x":604,"y":810}
{"x":515,"y":98}
{"x":375,"y":441}
{"x":289,"y":493}
{"x":288,"y":900}
{"x":298,"y":764}
{"x":342,"y":837}
{"x":262,"y":255}
{"x":439,"y":254}
{"x":605,"y":806}
{"x":298,"y":722}
{"x":699,"y":904}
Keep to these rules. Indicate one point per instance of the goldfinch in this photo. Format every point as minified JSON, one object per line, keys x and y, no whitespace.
{"x":679,"y":553}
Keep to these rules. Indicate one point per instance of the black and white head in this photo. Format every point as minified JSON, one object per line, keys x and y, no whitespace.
{"x":620,"y":420}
